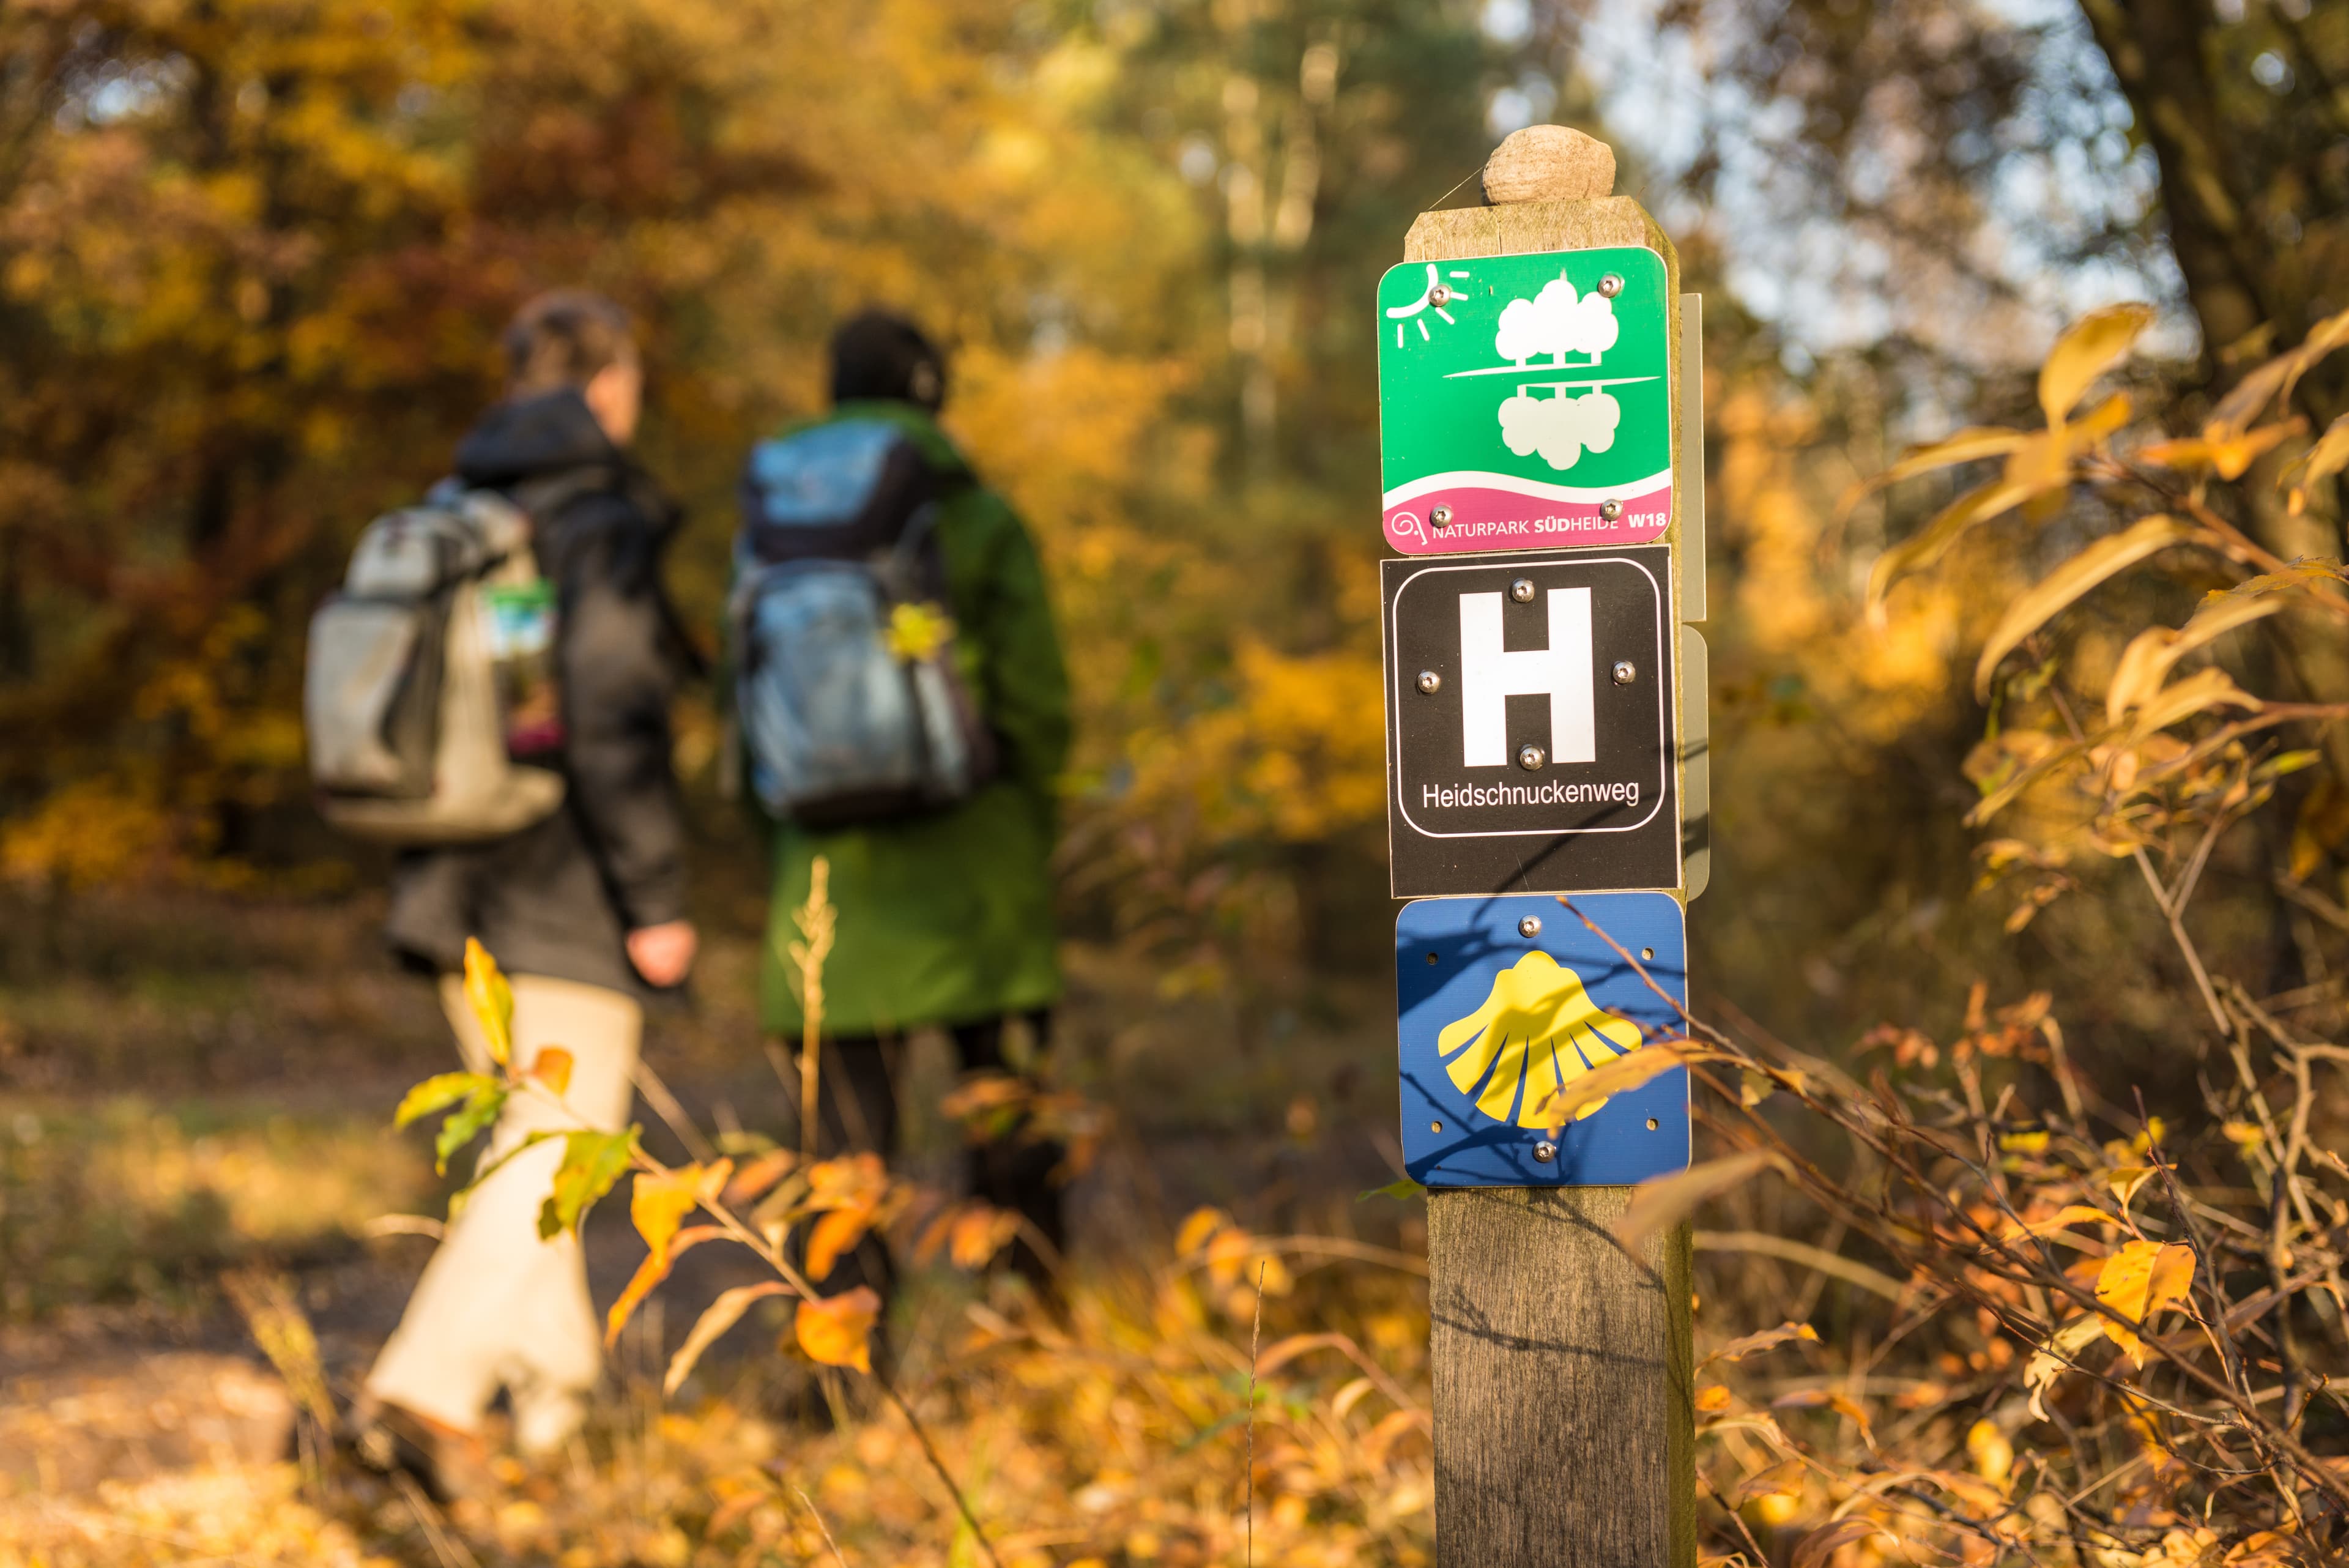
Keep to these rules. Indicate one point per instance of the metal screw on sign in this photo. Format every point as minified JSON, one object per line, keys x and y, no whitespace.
{"x":1610,"y":285}
{"x":1530,"y":759}
{"x":1625,"y":672}
{"x":1611,"y":510}
{"x":1439,"y":295}
{"x":1530,"y":926}
{"x":1522,"y":590}
{"x":1441,"y":516}
{"x":1430,"y":682}
{"x":1545,"y":1151}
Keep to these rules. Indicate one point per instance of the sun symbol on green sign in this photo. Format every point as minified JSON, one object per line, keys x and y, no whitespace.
{"x":1537,"y":1027}
{"x":1431,"y":301}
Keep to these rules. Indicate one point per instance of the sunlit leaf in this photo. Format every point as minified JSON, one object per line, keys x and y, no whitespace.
{"x":2227,"y":457}
{"x":1624,"y":1073}
{"x":834,"y":1234}
{"x":439,"y":1092}
{"x":465,"y":1123}
{"x":1201,"y":1224}
{"x":2328,"y":457}
{"x":1931,"y":543}
{"x":2091,"y":345}
{"x":2055,"y":1356}
{"x":592,"y":1162}
{"x":980,"y":1232}
{"x":1969,"y":445}
{"x":2146,"y":662}
{"x":552,"y":1067}
{"x":2067,"y":582}
{"x":2276,"y":378}
{"x":2137,"y":1282}
{"x":490,"y":999}
{"x":2069,"y":1215}
{"x":1767,"y":1339}
{"x":1667,"y":1199}
{"x":837,"y":1331}
{"x":721,"y":1316}
{"x":2198,"y":693}
{"x":649,"y":1275}
{"x":758,"y":1174}
{"x":660,"y":1201}
{"x":1403,"y":1188}
{"x":1990,"y":1451}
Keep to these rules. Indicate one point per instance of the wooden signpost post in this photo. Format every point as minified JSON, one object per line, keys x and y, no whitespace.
{"x":1544,"y":727}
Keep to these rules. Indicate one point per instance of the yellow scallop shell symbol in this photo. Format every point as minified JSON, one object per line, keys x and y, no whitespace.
{"x":1540,"y":1028}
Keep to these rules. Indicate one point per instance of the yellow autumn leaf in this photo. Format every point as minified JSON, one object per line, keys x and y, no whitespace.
{"x":978,"y":1232}
{"x":834,"y":1234}
{"x":659,"y":1202}
{"x":2226,"y":456}
{"x":552,"y":1067}
{"x":2069,"y":1215}
{"x":916,"y":632}
{"x":2329,"y":456}
{"x":2139,"y":1281}
{"x":2067,"y":582}
{"x":1202,"y":1223}
{"x":716,"y":1319}
{"x":837,"y":1330}
{"x":2198,"y":693}
{"x":1667,"y":1199}
{"x":649,"y":1275}
{"x":1991,"y":1452}
{"x":490,"y":999}
{"x":2146,"y":662}
{"x":2091,"y":345}
{"x":1713,"y":1397}
{"x":851,"y":1182}
{"x":2052,"y":1359}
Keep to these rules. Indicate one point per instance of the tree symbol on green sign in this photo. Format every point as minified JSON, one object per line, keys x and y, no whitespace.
{"x":1558,"y":322}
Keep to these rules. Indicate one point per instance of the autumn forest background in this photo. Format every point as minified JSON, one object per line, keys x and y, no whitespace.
{"x":1979,"y":943}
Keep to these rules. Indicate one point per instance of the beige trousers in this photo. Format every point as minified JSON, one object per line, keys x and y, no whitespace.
{"x":497,"y":1306}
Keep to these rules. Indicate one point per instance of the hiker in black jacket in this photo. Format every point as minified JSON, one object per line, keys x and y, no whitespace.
{"x":584,"y":910}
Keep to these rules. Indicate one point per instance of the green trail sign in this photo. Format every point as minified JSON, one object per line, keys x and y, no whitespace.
{"x":1525,"y":400}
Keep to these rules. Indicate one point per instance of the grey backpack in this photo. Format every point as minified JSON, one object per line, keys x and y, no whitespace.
{"x":427,"y":691}
{"x":849,"y":698}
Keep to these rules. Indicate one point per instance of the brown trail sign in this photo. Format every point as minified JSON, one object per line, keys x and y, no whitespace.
{"x":1563,"y":1367}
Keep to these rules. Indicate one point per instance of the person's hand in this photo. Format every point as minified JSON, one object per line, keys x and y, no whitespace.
{"x":663,"y":953}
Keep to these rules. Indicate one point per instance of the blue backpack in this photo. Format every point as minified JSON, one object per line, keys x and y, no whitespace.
{"x":852,"y":706}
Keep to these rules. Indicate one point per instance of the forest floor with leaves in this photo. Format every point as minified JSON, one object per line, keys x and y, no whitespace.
{"x":197,"y":1089}
{"x":1981,"y":1308}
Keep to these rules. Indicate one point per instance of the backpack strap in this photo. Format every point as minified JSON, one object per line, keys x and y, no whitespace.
{"x":540,"y":499}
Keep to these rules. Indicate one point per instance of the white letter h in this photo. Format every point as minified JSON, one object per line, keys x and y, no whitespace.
{"x":1490,"y":677}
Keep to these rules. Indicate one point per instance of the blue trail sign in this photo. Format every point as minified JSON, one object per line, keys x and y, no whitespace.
{"x":1502,"y":1003}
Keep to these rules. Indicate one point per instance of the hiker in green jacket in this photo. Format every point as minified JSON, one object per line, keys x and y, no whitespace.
{"x":944,"y":916}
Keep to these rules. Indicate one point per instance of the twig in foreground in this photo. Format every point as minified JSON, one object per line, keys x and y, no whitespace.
{"x":823,"y":1529}
{"x":1247,"y":1477}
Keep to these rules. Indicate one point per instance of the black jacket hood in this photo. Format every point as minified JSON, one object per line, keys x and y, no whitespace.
{"x":529,"y":438}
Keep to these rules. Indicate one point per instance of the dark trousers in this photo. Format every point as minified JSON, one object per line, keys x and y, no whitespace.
{"x":1015,"y":1172}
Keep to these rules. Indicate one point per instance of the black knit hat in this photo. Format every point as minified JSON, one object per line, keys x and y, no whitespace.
{"x":877,"y":354}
